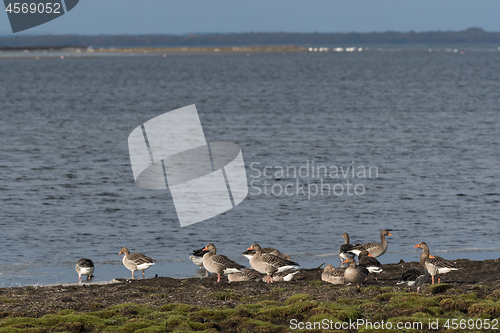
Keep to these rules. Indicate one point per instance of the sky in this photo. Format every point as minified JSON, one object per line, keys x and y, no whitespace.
{"x":92,"y":17}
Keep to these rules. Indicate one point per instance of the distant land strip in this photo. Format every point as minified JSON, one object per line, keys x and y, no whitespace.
{"x":469,"y":36}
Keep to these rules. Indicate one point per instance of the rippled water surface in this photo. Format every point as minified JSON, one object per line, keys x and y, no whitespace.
{"x":428,"y":122}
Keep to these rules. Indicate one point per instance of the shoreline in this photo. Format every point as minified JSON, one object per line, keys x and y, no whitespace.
{"x":38,"y":274}
{"x":170,"y":304}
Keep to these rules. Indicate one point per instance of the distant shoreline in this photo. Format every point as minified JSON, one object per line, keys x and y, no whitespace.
{"x":259,"y":39}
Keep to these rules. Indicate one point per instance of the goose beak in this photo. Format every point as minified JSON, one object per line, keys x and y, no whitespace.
{"x":390,"y":234}
{"x":345,"y":261}
{"x":205,"y":249}
{"x":416,"y":246}
{"x":431,"y":257}
{"x":369,"y":255}
{"x":250,"y":248}
{"x":120,"y":252}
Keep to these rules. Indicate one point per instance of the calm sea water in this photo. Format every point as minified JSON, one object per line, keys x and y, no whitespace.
{"x":428,"y":121}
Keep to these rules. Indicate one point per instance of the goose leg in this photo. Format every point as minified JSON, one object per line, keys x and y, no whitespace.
{"x":267,"y":278}
{"x":218,"y":278}
{"x":132,"y":274}
{"x":88,"y":277}
{"x":439,"y":279}
{"x":433,"y":279}
{"x":272,"y":281}
{"x":143,"y":273}
{"x":79,"y":277}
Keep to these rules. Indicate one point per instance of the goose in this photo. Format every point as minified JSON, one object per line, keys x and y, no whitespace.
{"x":84,"y":267}
{"x":355,"y":274}
{"x":435,"y":265}
{"x":197,"y":257}
{"x":375,"y":249}
{"x":345,"y":248}
{"x":414,"y":277}
{"x":245,"y":275}
{"x":219,"y":264}
{"x":268,"y":264}
{"x":371,"y":264}
{"x":135,"y":261}
{"x":282,"y":277}
{"x":269,"y":250}
{"x":332,"y":275}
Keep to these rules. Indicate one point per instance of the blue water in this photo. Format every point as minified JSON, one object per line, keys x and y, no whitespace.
{"x":428,"y":121}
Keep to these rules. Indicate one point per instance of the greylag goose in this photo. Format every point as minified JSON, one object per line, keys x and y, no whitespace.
{"x":282,"y":277}
{"x":268,"y":264}
{"x":332,"y":275}
{"x":345,"y":248}
{"x":135,"y":261}
{"x":375,"y":249}
{"x":435,"y":265}
{"x":219,"y":264}
{"x":245,"y":275}
{"x":414,"y":277}
{"x":371,"y":264}
{"x":84,"y":267}
{"x":269,"y":250}
{"x":355,"y":274}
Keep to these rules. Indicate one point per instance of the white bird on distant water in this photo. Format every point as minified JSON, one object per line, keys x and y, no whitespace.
{"x":136,"y":261}
{"x":84,"y":267}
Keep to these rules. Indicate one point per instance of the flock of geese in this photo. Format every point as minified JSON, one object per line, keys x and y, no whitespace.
{"x":271,"y":265}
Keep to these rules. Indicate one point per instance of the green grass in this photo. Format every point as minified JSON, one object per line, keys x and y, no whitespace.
{"x":259,"y":315}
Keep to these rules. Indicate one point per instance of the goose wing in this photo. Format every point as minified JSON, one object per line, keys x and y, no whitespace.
{"x":139,"y":259}
{"x":440,"y":263}
{"x":276,"y":262}
{"x":225,"y":262}
{"x":85,"y":263}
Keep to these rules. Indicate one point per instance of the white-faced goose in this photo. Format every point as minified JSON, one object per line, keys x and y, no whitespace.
{"x":371,"y":264}
{"x":268,"y":264}
{"x":245,"y":275}
{"x":332,"y":275}
{"x":219,"y":264}
{"x":84,"y":267}
{"x":375,"y":249}
{"x":135,"y":261}
{"x":269,"y":250}
{"x":414,"y":277}
{"x":355,"y":274}
{"x":197,"y":257}
{"x":345,"y":248}
{"x":282,"y":277}
{"x":435,"y":265}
